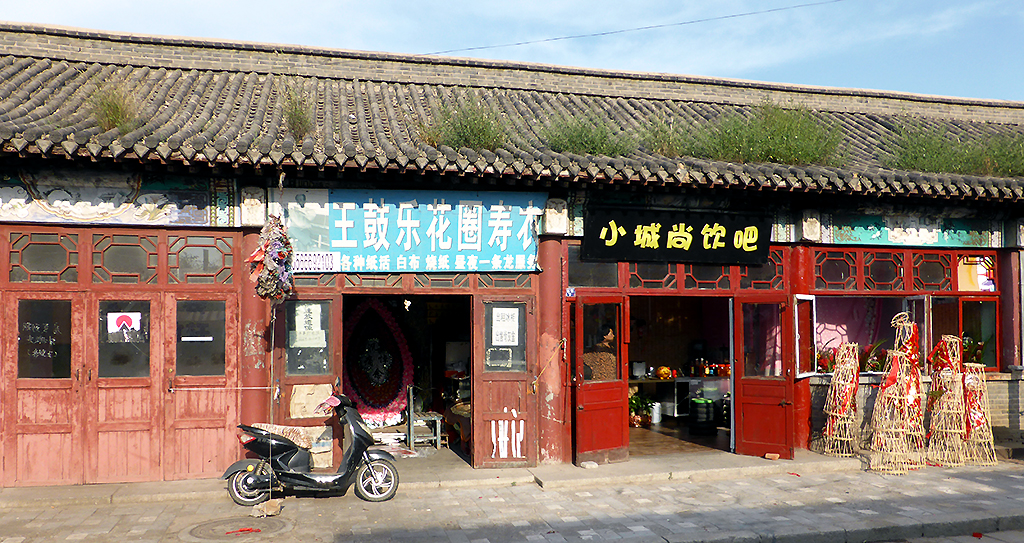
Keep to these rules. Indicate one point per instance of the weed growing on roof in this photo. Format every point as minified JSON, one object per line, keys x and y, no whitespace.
{"x":935,"y":150}
{"x":296,"y":114}
{"x":113,"y":107}
{"x":468,"y":124}
{"x":770,"y":134}
{"x":583,"y":137}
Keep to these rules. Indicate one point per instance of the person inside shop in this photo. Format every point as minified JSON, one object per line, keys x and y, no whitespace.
{"x":600,"y":361}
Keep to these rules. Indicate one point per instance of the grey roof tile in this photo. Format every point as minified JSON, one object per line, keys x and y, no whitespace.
{"x":203,"y":101}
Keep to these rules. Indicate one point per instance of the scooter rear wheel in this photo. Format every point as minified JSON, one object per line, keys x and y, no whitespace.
{"x":377,"y":481}
{"x":241,"y":493}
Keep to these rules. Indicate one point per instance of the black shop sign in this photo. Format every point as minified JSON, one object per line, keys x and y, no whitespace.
{"x":633,"y":235}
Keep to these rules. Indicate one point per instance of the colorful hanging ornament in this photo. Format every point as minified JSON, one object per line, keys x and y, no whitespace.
{"x":270,"y":265}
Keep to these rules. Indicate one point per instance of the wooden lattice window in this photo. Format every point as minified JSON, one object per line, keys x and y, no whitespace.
{"x":769,"y":276}
{"x":123,"y":258}
{"x":442,"y":280}
{"x":976,"y":273}
{"x":44,"y":258}
{"x":393,"y":280}
{"x":658,"y":275}
{"x":933,"y":271}
{"x":504,"y":280}
{"x":706,"y":277}
{"x":318,"y":280}
{"x":835,"y":270}
{"x":199,"y":260}
{"x":883,"y":270}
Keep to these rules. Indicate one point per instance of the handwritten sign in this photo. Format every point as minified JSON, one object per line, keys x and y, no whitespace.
{"x":634,"y":235}
{"x":44,"y":332}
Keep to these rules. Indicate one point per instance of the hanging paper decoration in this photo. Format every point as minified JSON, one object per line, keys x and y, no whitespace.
{"x":270,"y":265}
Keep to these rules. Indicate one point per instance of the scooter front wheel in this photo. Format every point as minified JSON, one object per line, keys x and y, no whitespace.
{"x":377,"y":481}
{"x":242,"y":493}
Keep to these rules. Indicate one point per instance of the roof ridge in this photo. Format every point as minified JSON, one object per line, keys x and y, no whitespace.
{"x":470,"y":72}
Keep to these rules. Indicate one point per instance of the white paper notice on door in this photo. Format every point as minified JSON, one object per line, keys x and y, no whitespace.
{"x":307,"y":333}
{"x":505,"y":326}
{"x":307,"y":339}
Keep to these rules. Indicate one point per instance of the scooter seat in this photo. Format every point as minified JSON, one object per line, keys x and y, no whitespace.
{"x":295,"y":434}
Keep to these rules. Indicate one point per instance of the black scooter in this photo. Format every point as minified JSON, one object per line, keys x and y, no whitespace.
{"x":283,"y":465}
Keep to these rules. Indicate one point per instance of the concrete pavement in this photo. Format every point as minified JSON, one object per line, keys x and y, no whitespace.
{"x":716,"y":497}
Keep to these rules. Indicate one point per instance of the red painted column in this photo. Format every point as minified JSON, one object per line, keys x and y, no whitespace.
{"x":554,"y":430}
{"x":253,"y":371}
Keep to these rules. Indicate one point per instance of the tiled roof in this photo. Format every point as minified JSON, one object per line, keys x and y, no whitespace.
{"x":222,"y":103}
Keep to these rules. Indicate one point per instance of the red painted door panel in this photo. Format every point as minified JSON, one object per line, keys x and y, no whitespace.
{"x":764,"y":379}
{"x":504,"y":423}
{"x":44,"y":436}
{"x":123,"y":427}
{"x":601,"y":416}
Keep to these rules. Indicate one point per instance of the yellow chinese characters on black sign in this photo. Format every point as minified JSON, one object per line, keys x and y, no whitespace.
{"x":612,"y":234}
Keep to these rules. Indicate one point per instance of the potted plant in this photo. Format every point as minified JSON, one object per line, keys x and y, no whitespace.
{"x":640,"y":407}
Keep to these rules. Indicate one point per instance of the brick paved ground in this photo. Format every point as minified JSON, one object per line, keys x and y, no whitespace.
{"x":804,"y":507}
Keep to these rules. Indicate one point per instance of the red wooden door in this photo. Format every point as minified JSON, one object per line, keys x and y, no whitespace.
{"x":503,"y":410}
{"x":764,"y":378}
{"x":199,"y":376}
{"x":44,"y":386}
{"x":601,"y":414}
{"x":122,"y":387}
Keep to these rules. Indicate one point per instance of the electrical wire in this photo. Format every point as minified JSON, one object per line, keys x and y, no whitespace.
{"x":638,"y":29}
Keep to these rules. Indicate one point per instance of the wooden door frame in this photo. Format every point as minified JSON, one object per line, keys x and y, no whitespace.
{"x":172,"y":384}
{"x":279,"y":372}
{"x":614,"y":454}
{"x":479,"y":379}
{"x":786,"y":383}
{"x":12,"y":384}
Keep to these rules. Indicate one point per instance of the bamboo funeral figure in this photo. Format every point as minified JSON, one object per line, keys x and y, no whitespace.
{"x":898,"y":417}
{"x":841,"y":403}
{"x":946,"y":404}
{"x":979,"y":448}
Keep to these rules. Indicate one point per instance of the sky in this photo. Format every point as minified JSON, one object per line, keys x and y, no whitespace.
{"x":962,"y":48}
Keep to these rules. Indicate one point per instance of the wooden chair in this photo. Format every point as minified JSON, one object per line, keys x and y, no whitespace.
{"x":434,"y":422}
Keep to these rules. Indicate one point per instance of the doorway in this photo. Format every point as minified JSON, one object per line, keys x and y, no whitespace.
{"x":422,"y":341}
{"x":689,"y":339}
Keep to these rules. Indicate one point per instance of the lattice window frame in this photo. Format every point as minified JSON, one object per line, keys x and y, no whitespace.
{"x":776,"y":257}
{"x":637,"y":280}
{"x":370,"y":280}
{"x":897,"y":258}
{"x":504,"y":281}
{"x":447,"y":280}
{"x":20,"y":241}
{"x":102,"y":242}
{"x":823,"y":256}
{"x":178,"y":243}
{"x":691,"y":282}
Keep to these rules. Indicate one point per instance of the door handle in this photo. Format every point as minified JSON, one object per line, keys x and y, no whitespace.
{"x":784,"y":403}
{"x":579,"y":408}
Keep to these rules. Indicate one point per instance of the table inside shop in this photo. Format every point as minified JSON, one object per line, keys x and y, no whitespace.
{"x":672,"y":394}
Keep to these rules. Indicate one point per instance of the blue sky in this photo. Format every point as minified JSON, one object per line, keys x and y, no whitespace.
{"x":963,"y":48}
